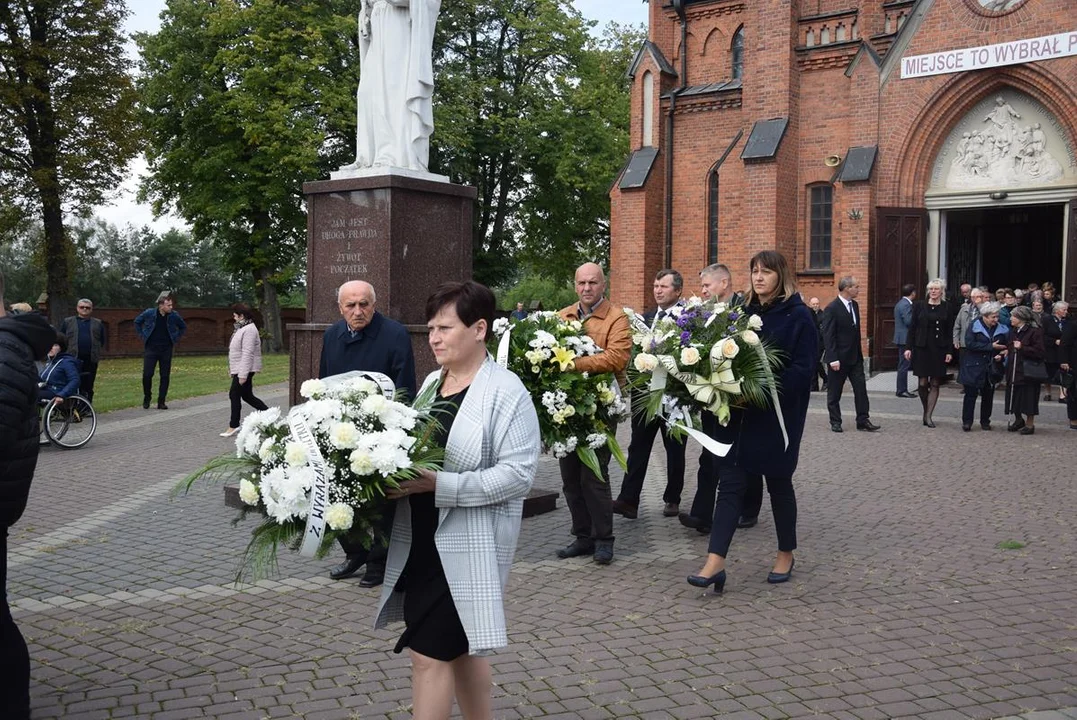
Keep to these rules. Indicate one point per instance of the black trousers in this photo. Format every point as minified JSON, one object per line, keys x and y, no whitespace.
{"x":244,"y":392}
{"x":87,"y":378}
{"x":731,"y":495}
{"x":379,"y":549}
{"x":902,"y":371}
{"x":14,"y":657}
{"x":1071,"y":403}
{"x":589,"y":500}
{"x":819,"y":375}
{"x":968,"y":403}
{"x":707,"y":483}
{"x":639,"y":453}
{"x":836,"y":383}
{"x":152,"y":357}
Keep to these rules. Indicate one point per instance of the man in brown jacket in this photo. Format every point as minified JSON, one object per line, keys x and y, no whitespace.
{"x":588,"y":497}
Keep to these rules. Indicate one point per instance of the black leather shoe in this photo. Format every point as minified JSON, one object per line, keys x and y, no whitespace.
{"x":603,"y":552}
{"x":625,"y":510}
{"x":1027,"y":430}
{"x":346,"y":569}
{"x":835,"y":427}
{"x":775,"y":578}
{"x":717,"y":580}
{"x":966,"y":426}
{"x":867,"y":426}
{"x":146,"y":404}
{"x":985,"y":426}
{"x":373,"y":577}
{"x":161,"y":405}
{"x":671,"y":510}
{"x":577,"y":548}
{"x":747,"y":522}
{"x":691,"y":521}
{"x":1016,"y":425}
{"x":907,"y":394}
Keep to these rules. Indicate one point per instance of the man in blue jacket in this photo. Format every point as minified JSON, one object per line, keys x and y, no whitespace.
{"x":902,"y":320}
{"x":364,"y":339}
{"x":23,"y":339}
{"x":160,"y":328}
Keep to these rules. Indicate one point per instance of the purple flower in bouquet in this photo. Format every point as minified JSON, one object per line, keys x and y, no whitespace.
{"x":686,"y":338}
{"x":732,"y":329}
{"x":734,"y":315}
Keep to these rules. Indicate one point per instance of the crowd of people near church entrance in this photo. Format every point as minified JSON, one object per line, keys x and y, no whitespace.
{"x":1022,"y":340}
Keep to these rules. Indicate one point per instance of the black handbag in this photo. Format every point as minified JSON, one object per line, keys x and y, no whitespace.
{"x":1034,"y":370}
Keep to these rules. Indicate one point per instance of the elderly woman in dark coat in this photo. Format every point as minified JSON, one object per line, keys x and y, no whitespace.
{"x":759,"y":448}
{"x":1023,"y":392}
{"x":984,"y":343}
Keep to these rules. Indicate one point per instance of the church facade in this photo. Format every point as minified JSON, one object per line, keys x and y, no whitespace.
{"x":892,"y":140}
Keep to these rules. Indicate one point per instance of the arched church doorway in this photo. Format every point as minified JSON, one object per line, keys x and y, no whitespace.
{"x":1001,"y":195}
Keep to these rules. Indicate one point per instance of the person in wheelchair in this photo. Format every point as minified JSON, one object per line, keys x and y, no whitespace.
{"x":59,"y":378}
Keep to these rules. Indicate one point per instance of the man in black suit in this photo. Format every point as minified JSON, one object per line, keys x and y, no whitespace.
{"x":819,"y":376}
{"x":844,"y":358}
{"x":902,"y":320}
{"x":668,"y":286}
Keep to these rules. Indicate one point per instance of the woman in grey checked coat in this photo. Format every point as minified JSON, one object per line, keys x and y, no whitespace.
{"x":455,"y":531}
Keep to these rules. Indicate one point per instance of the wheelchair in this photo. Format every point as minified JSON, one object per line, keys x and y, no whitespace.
{"x":69,"y":424}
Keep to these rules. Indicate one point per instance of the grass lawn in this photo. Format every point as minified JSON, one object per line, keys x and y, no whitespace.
{"x":119,"y":380}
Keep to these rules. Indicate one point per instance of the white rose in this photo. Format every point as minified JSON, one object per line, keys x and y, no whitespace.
{"x":295,"y":454}
{"x":730,"y":348}
{"x":312,"y":388}
{"x":248,"y":492}
{"x":755,"y":322}
{"x":689,"y":356}
{"x":750,"y":337}
{"x":645,"y":362}
{"x":343,"y":435}
{"x":339,"y":516}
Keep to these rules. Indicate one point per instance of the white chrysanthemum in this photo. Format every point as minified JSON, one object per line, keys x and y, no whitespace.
{"x":267,"y":448}
{"x":689,"y":356}
{"x":535,"y":356}
{"x":543,"y":339}
{"x":361,"y":462}
{"x":387,"y":459}
{"x":374,"y":405}
{"x":295,"y":454}
{"x":750,"y":337}
{"x":755,"y":322}
{"x":559,"y":450}
{"x":596,"y":440}
{"x":343,"y":435}
{"x":285,"y":493}
{"x":339,"y":516}
{"x":248,"y":492}
{"x":730,"y":348}
{"x":398,"y":415}
{"x":571,"y":443}
{"x":312,"y":388}
{"x":645,"y":362}
{"x":500,"y":326}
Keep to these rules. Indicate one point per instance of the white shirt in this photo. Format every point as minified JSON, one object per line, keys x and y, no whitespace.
{"x":849,"y":308}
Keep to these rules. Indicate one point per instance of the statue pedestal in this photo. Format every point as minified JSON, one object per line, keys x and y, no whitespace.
{"x":404,"y":235}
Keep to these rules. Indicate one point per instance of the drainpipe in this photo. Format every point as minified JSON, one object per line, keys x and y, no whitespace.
{"x":678,"y":7}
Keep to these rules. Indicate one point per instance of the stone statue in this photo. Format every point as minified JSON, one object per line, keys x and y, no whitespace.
{"x":396,"y":86}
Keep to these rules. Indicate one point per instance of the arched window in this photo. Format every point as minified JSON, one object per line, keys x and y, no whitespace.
{"x":712,"y":217}
{"x":648,"y":110}
{"x":821,"y":207}
{"x":737,"y":50}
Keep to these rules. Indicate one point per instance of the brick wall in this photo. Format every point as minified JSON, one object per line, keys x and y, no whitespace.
{"x":208,"y":329}
{"x":832,"y":103}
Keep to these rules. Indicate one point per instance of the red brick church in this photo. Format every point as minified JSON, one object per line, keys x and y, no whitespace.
{"x":893,"y":140}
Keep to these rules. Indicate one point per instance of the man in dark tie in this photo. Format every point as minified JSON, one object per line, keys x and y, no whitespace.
{"x":844,"y":357}
{"x":902,"y":319}
{"x":668,"y":286}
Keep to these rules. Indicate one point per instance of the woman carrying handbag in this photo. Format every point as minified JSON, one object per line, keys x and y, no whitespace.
{"x":1025,"y":370}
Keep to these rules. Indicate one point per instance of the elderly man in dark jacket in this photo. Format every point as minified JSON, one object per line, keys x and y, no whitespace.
{"x":23,"y":339}
{"x":366,"y":340}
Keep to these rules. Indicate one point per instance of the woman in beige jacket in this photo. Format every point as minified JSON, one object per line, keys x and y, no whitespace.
{"x":244,"y":360}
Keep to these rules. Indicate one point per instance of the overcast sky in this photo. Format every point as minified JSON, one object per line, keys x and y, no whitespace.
{"x":144,"y":18}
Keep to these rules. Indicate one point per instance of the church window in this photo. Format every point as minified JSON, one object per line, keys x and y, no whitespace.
{"x":824,"y":36}
{"x":648,"y":110}
{"x":821,"y":203}
{"x":712,"y":217}
{"x":839,"y":35}
{"x":737,"y":50}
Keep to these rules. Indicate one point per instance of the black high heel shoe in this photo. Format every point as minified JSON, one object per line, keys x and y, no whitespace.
{"x":928,"y":422}
{"x":774,"y":577}
{"x":717,"y":580}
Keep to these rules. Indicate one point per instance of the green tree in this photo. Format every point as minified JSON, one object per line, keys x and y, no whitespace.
{"x":532,"y":111}
{"x":243,"y":101}
{"x":66,"y":120}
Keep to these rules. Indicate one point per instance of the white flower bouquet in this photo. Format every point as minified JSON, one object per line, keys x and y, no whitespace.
{"x":703,"y":356}
{"x":578,"y":412}
{"x":322,"y":470}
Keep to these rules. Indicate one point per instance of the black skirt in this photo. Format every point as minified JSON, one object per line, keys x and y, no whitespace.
{"x":1023,"y":399}
{"x":432,"y":625}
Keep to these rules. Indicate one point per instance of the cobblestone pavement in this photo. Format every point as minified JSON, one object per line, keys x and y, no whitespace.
{"x":902,"y":604}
